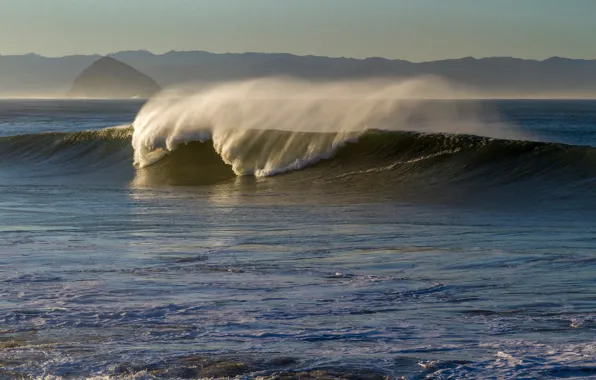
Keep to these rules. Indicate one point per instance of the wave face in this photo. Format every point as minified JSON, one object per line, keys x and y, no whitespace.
{"x":396,"y":157}
{"x":368,"y":157}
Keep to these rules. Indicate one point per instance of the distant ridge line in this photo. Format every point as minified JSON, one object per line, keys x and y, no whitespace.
{"x":500,"y":77}
{"x":143,"y":51}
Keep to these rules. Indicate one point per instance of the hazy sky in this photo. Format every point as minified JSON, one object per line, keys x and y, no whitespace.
{"x":416,"y":30}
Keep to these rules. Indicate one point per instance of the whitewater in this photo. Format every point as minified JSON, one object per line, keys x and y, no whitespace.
{"x":276,"y":228}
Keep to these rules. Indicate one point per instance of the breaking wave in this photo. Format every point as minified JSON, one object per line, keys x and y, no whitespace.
{"x":371,"y":132}
{"x":386,"y":155}
{"x":270,"y":126}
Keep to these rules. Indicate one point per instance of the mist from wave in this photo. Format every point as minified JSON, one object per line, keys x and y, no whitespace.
{"x":239,"y":119}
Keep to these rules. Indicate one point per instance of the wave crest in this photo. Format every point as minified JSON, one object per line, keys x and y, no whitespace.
{"x":266,"y":126}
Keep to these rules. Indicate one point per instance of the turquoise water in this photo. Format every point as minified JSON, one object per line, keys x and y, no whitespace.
{"x":474,"y":263}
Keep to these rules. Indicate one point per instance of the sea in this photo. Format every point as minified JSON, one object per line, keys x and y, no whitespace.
{"x":153,"y":240}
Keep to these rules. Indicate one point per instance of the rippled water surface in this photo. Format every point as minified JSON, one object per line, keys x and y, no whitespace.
{"x":115,"y":275}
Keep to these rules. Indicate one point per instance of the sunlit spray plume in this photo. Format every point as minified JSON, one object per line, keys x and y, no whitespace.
{"x":240,"y":118}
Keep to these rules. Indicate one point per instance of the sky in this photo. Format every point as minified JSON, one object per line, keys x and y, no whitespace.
{"x":415,"y":30}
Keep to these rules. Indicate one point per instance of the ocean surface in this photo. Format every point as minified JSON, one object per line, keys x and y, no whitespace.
{"x":184,"y":251}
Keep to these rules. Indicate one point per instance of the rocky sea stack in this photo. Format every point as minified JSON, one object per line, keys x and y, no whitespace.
{"x":110,"y":78}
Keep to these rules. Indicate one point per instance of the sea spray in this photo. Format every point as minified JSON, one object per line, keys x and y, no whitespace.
{"x":238,"y":117}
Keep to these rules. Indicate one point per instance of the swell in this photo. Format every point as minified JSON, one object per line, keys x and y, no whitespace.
{"x":59,"y":153}
{"x":373,"y":156}
{"x":449,"y":156}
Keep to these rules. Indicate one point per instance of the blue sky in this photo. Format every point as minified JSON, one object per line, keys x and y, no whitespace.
{"x":416,"y":30}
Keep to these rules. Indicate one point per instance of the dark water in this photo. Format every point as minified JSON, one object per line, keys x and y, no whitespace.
{"x":402,"y":254}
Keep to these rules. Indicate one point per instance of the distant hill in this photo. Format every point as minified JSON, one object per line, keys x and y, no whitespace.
{"x":110,"y":78}
{"x":495,"y":77}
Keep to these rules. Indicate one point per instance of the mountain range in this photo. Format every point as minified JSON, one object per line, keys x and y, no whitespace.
{"x":35,"y":75}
